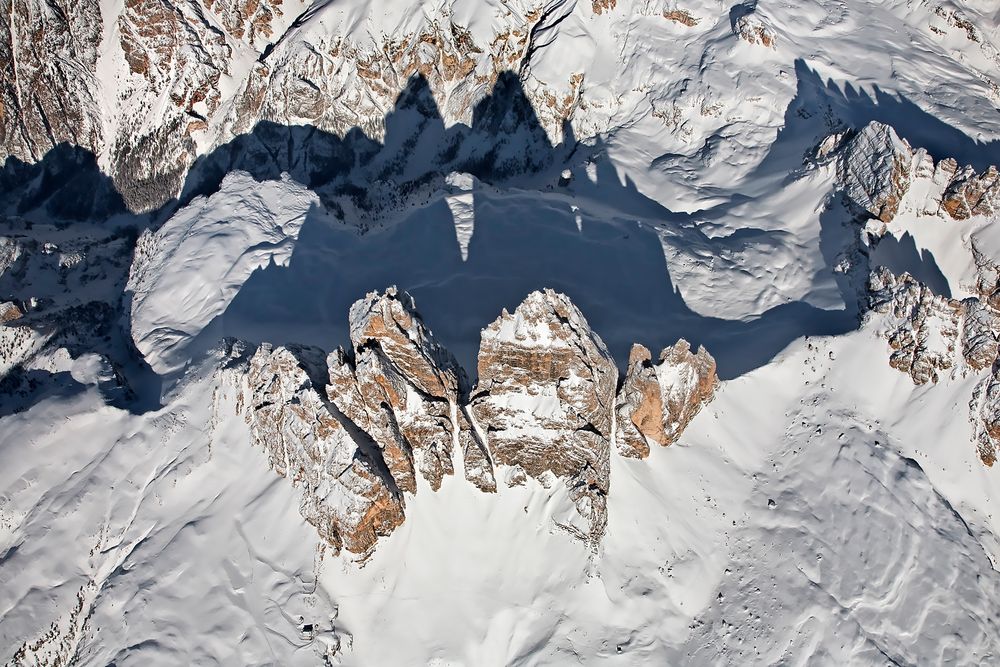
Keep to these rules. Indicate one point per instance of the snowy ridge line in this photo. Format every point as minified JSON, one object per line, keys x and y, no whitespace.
{"x":399,"y":406}
{"x":882,"y":175}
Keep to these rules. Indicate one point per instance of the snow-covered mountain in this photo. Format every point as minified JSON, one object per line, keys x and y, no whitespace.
{"x":499,"y":333}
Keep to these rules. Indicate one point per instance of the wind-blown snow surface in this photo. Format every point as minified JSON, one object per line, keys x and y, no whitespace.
{"x":821,"y":510}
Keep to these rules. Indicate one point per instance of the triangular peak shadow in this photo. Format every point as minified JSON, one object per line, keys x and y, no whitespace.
{"x":594,"y":238}
{"x":356,"y":176}
{"x":856,"y":107}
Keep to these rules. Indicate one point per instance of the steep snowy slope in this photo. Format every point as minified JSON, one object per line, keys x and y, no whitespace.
{"x":226,"y":438}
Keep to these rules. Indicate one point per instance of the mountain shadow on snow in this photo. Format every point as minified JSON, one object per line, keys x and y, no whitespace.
{"x":382,"y":220}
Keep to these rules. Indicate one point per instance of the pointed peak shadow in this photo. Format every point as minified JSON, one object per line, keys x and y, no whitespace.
{"x":853,"y":107}
{"x":615,"y":271}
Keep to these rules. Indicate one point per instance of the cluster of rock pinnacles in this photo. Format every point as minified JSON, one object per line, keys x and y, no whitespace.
{"x":356,"y":430}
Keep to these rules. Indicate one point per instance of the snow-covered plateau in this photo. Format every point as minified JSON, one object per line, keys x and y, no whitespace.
{"x":499,"y":332}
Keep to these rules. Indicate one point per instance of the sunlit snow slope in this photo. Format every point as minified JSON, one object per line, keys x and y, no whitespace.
{"x":698,"y":170}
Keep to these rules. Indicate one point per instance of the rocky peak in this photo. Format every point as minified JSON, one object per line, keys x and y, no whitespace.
{"x":10,"y":311}
{"x":874,"y":170}
{"x":397,"y":405}
{"x":970,"y":193}
{"x":657,"y":401}
{"x":877,"y":170}
{"x":924,"y":331}
{"x":750,"y":26}
{"x":545,"y":397}
{"x":401,"y":386}
{"x":984,"y":413}
{"x":922,"y":328}
{"x":388,"y":324}
{"x":346,"y":492}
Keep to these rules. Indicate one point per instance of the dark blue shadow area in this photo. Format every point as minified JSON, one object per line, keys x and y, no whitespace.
{"x":611,"y":264}
{"x":23,"y":388}
{"x":614,"y":271}
{"x":526,"y":235}
{"x":66,"y":184}
{"x":902,"y":255}
{"x":844,"y":105}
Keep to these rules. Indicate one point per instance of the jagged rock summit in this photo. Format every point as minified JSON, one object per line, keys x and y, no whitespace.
{"x":358,"y":429}
{"x":401,"y":386}
{"x":880,"y":173}
{"x":657,"y":401}
{"x":346,"y":492}
{"x":545,"y":397}
{"x":931,"y":335}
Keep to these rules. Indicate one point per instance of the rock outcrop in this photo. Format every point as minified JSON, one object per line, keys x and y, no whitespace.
{"x":179,"y":79}
{"x":346,"y":492}
{"x":877,"y":170}
{"x":970,"y":193}
{"x":984,"y":412}
{"x":545,"y":397}
{"x":10,"y":311}
{"x":401,"y":386}
{"x":922,"y":328}
{"x":48,"y":65}
{"x":657,"y":401}
{"x":357,"y":429}
{"x":980,"y":326}
{"x":681,"y":16}
{"x":874,"y":170}
{"x":751,"y":27}
{"x":925,"y":332}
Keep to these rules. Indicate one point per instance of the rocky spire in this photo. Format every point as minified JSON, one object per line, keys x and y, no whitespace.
{"x":545,"y":397}
{"x":346,"y":491}
{"x":401,"y":386}
{"x":657,"y":401}
{"x":397,"y":407}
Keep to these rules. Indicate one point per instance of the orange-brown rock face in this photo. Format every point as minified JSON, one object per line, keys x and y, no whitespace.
{"x":657,"y":402}
{"x":985,"y":411}
{"x":175,"y":61}
{"x":9,"y":311}
{"x":345,"y":492}
{"x":373,"y":416}
{"x":980,"y":327}
{"x":545,"y":397}
{"x":925,"y":330}
{"x":402,"y":387}
{"x":601,"y":6}
{"x":970,"y":193}
{"x":247,"y":20}
{"x":681,"y":16}
{"x":876,"y":170}
{"x":755,"y":30}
